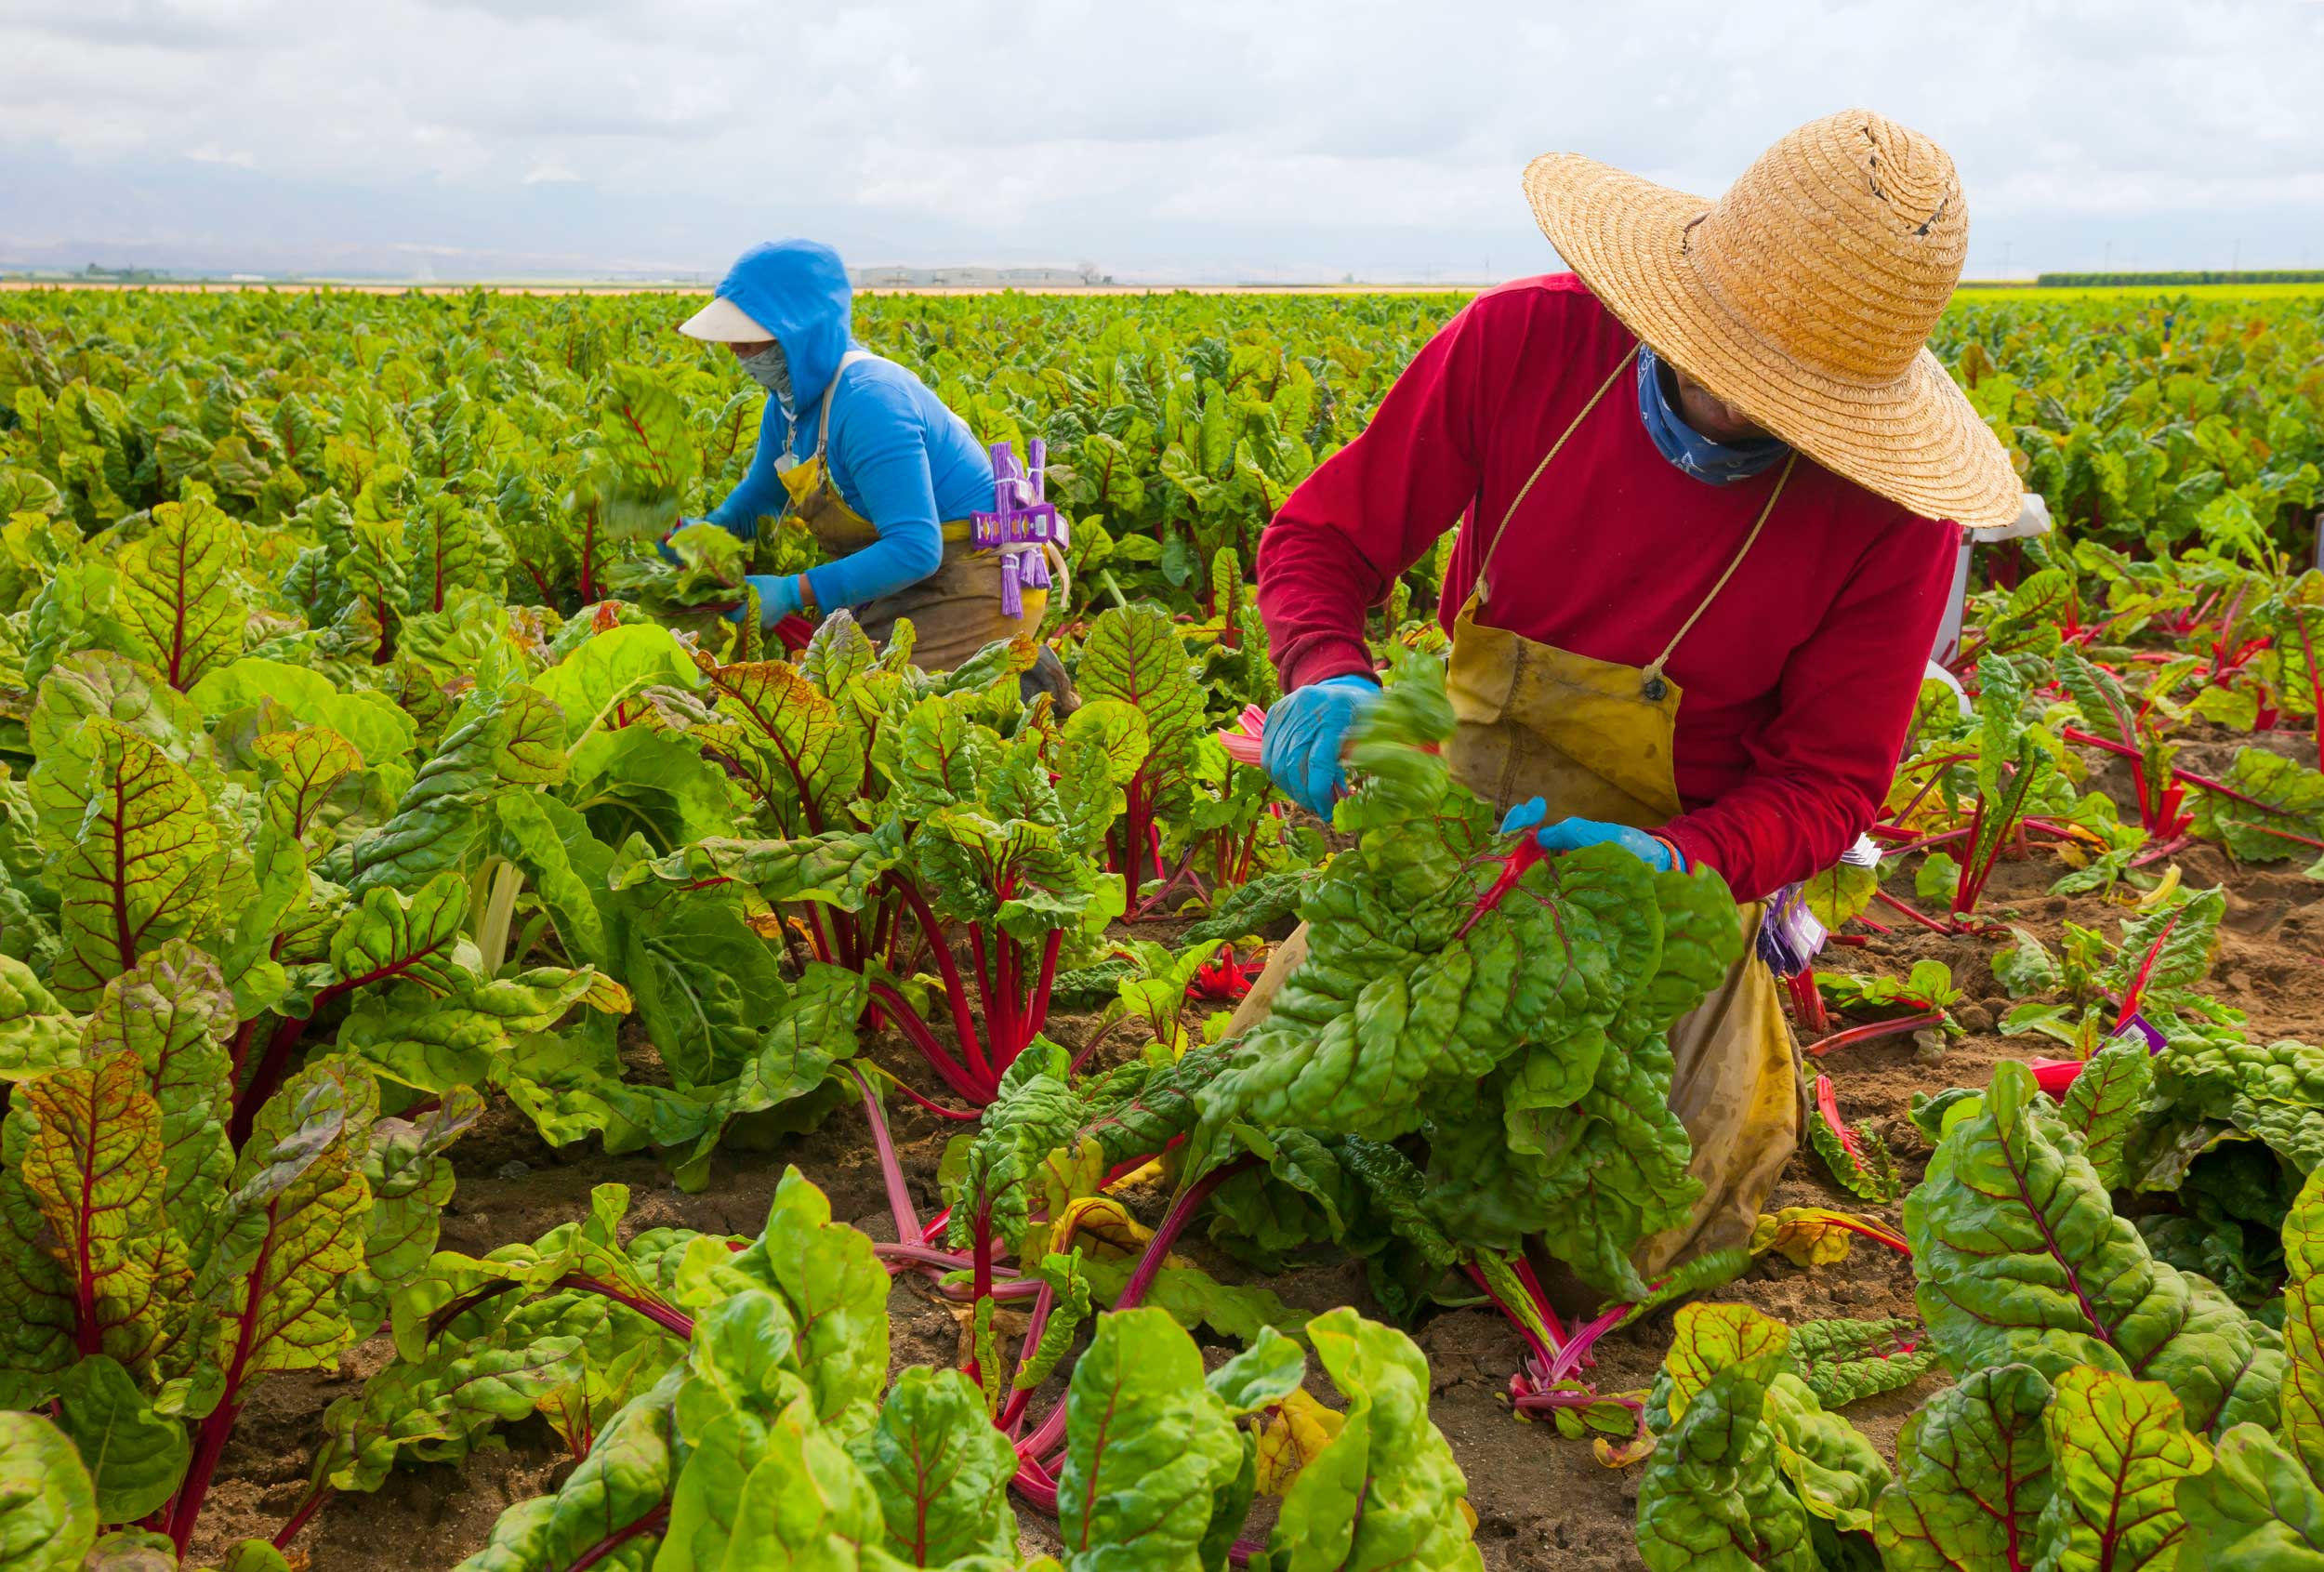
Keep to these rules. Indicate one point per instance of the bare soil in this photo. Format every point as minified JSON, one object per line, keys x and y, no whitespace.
{"x":1542,"y":1502}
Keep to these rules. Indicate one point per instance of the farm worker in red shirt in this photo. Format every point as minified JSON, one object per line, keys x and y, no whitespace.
{"x":1708,"y":487}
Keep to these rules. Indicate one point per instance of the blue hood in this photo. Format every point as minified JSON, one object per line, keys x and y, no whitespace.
{"x":796,"y":290}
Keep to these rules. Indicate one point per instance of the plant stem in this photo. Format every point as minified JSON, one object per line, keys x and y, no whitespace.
{"x":908,"y":1022}
{"x":2146,"y":971}
{"x":1174,"y":1223}
{"x":900,"y":1206}
{"x":1913,"y":912}
{"x":2200,"y":782}
{"x":307,"y":1509}
{"x":667,"y":1316}
{"x":1521,"y":857}
{"x":1036,"y":1016}
{"x":956,"y":993}
{"x":652,"y":1522}
{"x":1872,"y":1031}
{"x":922,"y":1255}
{"x":500,"y":906}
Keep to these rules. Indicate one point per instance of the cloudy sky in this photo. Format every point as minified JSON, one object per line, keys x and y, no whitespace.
{"x":1206,"y":139}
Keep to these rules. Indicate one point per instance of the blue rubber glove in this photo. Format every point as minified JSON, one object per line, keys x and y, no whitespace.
{"x":662,"y":544}
{"x":1304,"y":731}
{"x":1571,"y":835}
{"x":778,"y":597}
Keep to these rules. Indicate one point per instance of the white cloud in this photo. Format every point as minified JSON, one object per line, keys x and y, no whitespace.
{"x":1210,"y":134}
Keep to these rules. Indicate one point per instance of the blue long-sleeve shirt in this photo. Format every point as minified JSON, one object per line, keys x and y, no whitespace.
{"x":898,"y":456}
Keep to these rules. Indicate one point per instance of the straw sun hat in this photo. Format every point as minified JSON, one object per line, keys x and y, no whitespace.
{"x":1804,"y":299}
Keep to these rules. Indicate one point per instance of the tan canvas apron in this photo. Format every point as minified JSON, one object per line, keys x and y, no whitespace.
{"x":1593,"y":740}
{"x":955,"y":611}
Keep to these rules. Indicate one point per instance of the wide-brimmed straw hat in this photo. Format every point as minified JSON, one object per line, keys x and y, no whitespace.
{"x":1804,"y":299}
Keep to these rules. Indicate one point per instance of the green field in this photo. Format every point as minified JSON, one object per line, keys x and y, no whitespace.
{"x":504,"y":1067}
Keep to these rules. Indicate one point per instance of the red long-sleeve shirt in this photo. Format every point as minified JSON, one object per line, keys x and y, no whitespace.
{"x":1799,"y":681}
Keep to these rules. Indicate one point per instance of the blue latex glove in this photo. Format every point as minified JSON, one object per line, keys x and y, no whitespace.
{"x":1571,"y":835}
{"x":662,"y":544}
{"x":1304,"y":731}
{"x":778,"y":597}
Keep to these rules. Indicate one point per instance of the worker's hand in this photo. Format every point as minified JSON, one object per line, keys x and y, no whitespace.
{"x":662,"y":546}
{"x":1571,"y":835}
{"x":778,"y":597}
{"x":1299,"y":749}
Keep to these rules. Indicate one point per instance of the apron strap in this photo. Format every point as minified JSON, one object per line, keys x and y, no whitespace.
{"x":1482,"y":588}
{"x":1653,"y":670}
{"x":823,"y":426}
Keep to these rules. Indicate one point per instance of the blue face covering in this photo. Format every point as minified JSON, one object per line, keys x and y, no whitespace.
{"x":1717,"y":463}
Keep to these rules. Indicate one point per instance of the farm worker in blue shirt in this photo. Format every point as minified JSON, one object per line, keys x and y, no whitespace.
{"x":870,"y":460}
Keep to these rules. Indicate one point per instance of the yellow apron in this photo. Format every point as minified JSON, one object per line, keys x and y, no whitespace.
{"x":955,"y":611}
{"x":1593,"y":740}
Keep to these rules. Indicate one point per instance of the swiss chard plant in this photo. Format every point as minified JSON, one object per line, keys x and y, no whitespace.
{"x":766,"y":1423}
{"x":158,"y":1270}
{"x":1511,"y":1010}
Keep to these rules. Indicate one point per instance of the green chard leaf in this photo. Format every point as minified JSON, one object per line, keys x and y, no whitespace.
{"x":940,"y":1470}
{"x":1973,"y":1476}
{"x":1386,"y":1491}
{"x":1147,"y":1447}
{"x":2255,"y":1507}
{"x":48,"y":1511}
{"x":2020,"y":1258}
{"x":2120,"y":1451}
{"x":1714,"y":1498}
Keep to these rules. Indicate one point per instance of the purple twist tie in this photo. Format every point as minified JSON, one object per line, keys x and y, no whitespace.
{"x":1022,"y":523}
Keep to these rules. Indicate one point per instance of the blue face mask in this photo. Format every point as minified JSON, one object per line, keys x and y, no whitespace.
{"x":771,"y":371}
{"x":1717,"y":463}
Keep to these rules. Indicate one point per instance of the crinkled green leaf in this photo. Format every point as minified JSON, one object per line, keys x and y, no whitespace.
{"x":2295,"y":795}
{"x":1386,"y":1492}
{"x":2119,"y":1449}
{"x":2302,"y":1408}
{"x":2104,"y":1105}
{"x":142,"y":861}
{"x":941,"y":1469}
{"x":294,"y":1224}
{"x":790,"y":740}
{"x":438,"y":1407}
{"x":92,"y":1168}
{"x":1972,"y":1475}
{"x":612,"y":667}
{"x":181,"y":592}
{"x":837,"y":1292}
{"x":1837,"y":1472}
{"x":411,"y":1182}
{"x":1714,"y":1498}
{"x":37,"y":1033}
{"x":2020,"y":1257}
{"x":2273,"y":1091}
{"x":172,"y":1014}
{"x":501,"y":740}
{"x":1845,"y":1361}
{"x":705,"y":983}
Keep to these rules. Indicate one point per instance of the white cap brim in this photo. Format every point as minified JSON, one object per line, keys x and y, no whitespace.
{"x":723,"y":322}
